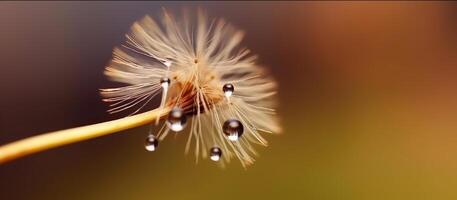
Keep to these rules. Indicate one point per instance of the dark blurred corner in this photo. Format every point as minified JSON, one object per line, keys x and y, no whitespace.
{"x":367,"y":91}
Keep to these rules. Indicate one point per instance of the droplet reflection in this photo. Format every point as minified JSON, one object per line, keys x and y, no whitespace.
{"x":176,"y":119}
{"x":228,"y":89}
{"x":215,"y":153}
{"x":151,"y":143}
{"x":233,"y":129}
{"x":165,"y":82}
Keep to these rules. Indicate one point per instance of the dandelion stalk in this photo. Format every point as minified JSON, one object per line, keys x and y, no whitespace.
{"x":54,"y":139}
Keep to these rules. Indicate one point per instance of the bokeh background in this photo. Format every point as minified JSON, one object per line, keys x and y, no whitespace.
{"x":367,"y":100}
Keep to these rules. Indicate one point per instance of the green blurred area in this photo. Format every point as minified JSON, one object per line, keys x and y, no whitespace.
{"x":367,"y":103}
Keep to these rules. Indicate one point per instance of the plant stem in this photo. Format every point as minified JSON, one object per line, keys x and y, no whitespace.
{"x":54,"y":139}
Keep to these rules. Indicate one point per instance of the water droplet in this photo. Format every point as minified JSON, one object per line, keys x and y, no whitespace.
{"x":151,"y":143}
{"x":176,"y":119}
{"x":165,"y":82}
{"x":233,"y":129}
{"x":215,"y":153}
{"x":228,"y":89}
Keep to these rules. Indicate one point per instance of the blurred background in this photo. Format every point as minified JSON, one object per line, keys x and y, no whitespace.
{"x":367,"y":92}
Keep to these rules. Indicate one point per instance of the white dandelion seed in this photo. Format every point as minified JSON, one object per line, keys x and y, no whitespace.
{"x":200,"y":71}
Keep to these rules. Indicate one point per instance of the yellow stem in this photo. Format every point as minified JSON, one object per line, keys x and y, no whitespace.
{"x":50,"y":140}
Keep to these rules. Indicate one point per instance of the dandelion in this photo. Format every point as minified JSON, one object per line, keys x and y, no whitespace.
{"x":210,"y":88}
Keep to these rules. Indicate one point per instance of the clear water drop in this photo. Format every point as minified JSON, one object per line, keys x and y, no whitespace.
{"x":228,"y":89}
{"x":233,"y":129}
{"x":176,"y":119}
{"x":215,"y":153}
{"x":151,"y":143}
{"x":165,"y":82}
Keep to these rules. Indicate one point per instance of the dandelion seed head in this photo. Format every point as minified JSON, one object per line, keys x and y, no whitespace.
{"x":194,"y":65}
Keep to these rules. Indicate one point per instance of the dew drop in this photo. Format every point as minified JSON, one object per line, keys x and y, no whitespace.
{"x":233,"y":129}
{"x":228,"y":89}
{"x":215,"y":153}
{"x":151,"y":143}
{"x":165,"y":82}
{"x":176,"y":119}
